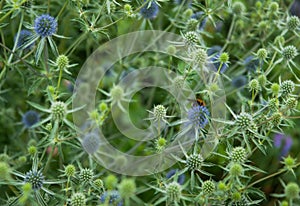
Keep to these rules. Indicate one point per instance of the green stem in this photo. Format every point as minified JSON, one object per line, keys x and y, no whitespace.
{"x":7,"y":14}
{"x":62,"y":9}
{"x":46,"y":58}
{"x":58,"y":83}
{"x":48,"y":9}
{"x":271,"y":65}
{"x":3,"y":72}
{"x":16,"y":42}
{"x":229,"y":33}
{"x":73,"y":46}
{"x":268,"y":177}
{"x":218,"y":73}
{"x":49,"y":158}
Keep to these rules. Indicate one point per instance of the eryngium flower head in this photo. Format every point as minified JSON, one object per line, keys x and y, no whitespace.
{"x":208,"y":187}
{"x":291,"y":103}
{"x":30,"y":118}
{"x":127,"y":188}
{"x":58,"y":110}
{"x":159,"y":112}
{"x":191,"y":38}
{"x":238,"y":8}
{"x":293,"y":23}
{"x":35,"y":178}
{"x":289,"y":52}
{"x":236,"y":170}
{"x":238,"y":154}
{"x":244,"y":120}
{"x":254,"y":85}
{"x":291,"y":190}
{"x":200,"y":57}
{"x":70,"y":170}
{"x":23,"y":38}
{"x":62,"y":61}
{"x":194,"y":161}
{"x":86,"y":175}
{"x":150,"y":10}
{"x":78,"y":199}
{"x":45,"y":25}
{"x":111,"y":197}
{"x":173,"y":191}
{"x":198,"y":116}
{"x":216,"y":61}
{"x":287,"y":87}
{"x":215,"y":52}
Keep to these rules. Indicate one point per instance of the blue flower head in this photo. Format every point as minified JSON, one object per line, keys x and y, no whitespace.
{"x":45,"y":25}
{"x":198,"y":116}
{"x":23,"y":38}
{"x":251,"y":63}
{"x":198,"y":16}
{"x":214,"y":50}
{"x":180,"y":179}
{"x":295,"y":8}
{"x":91,"y":142}
{"x":239,"y":81}
{"x":30,"y":118}
{"x":35,"y":178}
{"x":150,"y":12}
{"x":284,"y":142}
{"x":112,"y":197}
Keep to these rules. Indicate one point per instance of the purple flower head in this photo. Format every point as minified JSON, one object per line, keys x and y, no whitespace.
{"x":284,"y":143}
{"x":69,"y":86}
{"x":150,"y":12}
{"x":251,"y":63}
{"x":180,"y":178}
{"x":295,"y":8}
{"x":23,"y":38}
{"x":112,"y":197}
{"x":45,"y":25}
{"x":239,"y":81}
{"x":30,"y":118}
{"x":198,"y":116}
{"x":198,"y":16}
{"x":219,"y":26}
{"x":214,"y":50}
